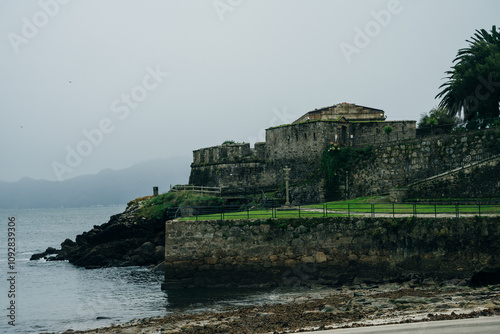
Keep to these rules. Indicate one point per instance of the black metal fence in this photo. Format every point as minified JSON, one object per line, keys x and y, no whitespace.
{"x":414,"y":209}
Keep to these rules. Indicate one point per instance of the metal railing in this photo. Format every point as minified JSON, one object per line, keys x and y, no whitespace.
{"x":413,"y":209}
{"x":198,"y":189}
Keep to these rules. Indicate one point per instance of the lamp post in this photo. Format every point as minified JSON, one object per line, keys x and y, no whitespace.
{"x":287,"y":178}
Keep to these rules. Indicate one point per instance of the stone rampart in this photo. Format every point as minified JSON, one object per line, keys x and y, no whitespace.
{"x":235,"y":174}
{"x":365,"y":133}
{"x":223,"y":154}
{"x":328,"y":251}
{"x":300,"y":147}
{"x":477,"y":180}
{"x":409,"y":161}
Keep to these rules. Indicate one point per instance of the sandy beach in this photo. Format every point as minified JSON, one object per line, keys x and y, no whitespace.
{"x":330,"y":308}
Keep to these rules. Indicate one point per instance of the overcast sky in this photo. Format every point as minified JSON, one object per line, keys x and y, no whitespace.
{"x":96,"y":84}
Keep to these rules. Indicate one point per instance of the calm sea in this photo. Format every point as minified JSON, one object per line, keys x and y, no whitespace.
{"x":56,"y":296}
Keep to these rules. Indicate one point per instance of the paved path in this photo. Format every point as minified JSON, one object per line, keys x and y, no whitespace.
{"x":487,"y":325}
{"x":397,"y":215}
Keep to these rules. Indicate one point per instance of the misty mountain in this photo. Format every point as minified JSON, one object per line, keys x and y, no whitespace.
{"x":104,"y":188}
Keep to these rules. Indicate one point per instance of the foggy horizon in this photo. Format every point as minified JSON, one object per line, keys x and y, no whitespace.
{"x":94,"y":85}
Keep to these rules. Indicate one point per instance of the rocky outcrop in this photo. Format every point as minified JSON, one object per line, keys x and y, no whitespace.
{"x":125,"y":240}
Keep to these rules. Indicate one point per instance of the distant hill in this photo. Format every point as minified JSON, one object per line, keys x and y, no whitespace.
{"x":104,"y":188}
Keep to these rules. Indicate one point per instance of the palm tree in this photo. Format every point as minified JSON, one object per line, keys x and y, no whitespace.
{"x":473,"y":85}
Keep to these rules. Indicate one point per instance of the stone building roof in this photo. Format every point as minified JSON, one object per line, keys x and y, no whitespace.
{"x":347,"y":111}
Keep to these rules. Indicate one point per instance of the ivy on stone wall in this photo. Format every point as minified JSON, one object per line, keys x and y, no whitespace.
{"x":336,"y":162}
{"x":493,"y":140}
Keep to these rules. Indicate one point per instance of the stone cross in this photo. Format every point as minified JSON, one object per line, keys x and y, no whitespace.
{"x":287,"y":178}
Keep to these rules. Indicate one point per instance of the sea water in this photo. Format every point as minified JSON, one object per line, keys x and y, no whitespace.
{"x":55,"y":296}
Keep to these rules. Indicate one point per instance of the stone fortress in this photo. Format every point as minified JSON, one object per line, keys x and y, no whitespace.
{"x":465,"y":163}
{"x":298,"y":145}
{"x":342,"y":250}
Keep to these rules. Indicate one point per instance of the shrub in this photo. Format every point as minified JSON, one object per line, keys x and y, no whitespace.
{"x":156,"y":208}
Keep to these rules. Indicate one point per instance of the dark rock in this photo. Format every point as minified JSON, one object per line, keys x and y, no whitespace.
{"x":51,"y":250}
{"x":148,"y":247}
{"x":429,"y":282}
{"x":159,"y":253}
{"x":48,"y":251}
{"x":160,"y":267}
{"x":142,"y":255}
{"x":68,"y":243}
{"x":122,"y":241}
{"x":485,"y":277}
{"x":37,"y":256}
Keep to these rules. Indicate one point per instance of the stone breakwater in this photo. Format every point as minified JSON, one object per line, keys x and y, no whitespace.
{"x":330,"y":251}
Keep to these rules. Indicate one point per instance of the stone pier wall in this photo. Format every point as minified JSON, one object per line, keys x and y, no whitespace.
{"x":328,"y":251}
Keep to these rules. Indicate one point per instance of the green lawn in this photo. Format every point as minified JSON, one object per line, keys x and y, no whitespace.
{"x":260,"y":214}
{"x":367,"y":204}
{"x":359,"y":206}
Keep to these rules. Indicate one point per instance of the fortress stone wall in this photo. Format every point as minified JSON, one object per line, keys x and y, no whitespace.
{"x":329,"y":251}
{"x":398,"y":158}
{"x":395,"y":164}
{"x":299,"y":145}
{"x":226,"y":153}
{"x":404,"y":163}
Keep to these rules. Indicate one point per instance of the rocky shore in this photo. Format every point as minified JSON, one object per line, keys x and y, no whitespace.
{"x":329,"y":308}
{"x":126,"y":240}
